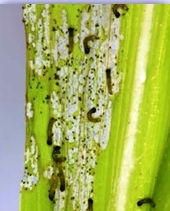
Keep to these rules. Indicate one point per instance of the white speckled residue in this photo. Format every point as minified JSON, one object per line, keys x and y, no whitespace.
{"x":81,"y":85}
{"x":31,"y":174}
{"x":29,"y":111}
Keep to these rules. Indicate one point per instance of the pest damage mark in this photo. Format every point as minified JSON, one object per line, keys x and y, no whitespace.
{"x":78,"y":94}
{"x":31,"y":174}
{"x":29,"y":111}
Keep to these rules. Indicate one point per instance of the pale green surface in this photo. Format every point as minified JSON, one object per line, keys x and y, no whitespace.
{"x":155,"y":112}
{"x":162,"y":186}
{"x":154,"y":122}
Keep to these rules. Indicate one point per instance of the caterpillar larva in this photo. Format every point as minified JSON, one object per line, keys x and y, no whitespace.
{"x":85,"y":43}
{"x":91,"y":118}
{"x":146,"y":200}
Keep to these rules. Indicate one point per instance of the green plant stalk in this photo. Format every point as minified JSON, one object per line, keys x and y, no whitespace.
{"x":142,"y":159}
{"x":161,"y":191}
{"x":118,"y":173}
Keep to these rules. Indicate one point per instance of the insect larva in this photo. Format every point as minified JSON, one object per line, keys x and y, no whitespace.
{"x":70,"y":37}
{"x":59,"y":161}
{"x":85,"y":43}
{"x":61,"y":176}
{"x":90,"y":117}
{"x":116,"y":7}
{"x":56,"y":151}
{"x":50,"y":132}
{"x":90,"y":204}
{"x":146,"y":200}
{"x":109,"y":81}
{"x":53,"y":187}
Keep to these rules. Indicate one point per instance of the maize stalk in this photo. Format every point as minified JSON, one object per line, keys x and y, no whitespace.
{"x":97,"y":90}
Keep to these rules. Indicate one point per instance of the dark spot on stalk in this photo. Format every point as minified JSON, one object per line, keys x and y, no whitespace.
{"x":47,"y":97}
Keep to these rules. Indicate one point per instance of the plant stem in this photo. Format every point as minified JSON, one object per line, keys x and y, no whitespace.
{"x":113,"y":141}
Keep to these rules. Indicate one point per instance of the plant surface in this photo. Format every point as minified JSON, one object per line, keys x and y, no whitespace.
{"x":97,"y":107}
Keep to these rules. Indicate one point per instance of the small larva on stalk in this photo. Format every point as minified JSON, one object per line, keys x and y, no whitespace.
{"x":146,"y":200}
{"x":61,"y":176}
{"x":53,"y":187}
{"x":90,"y":117}
{"x":109,"y":81}
{"x":56,"y":151}
{"x":85,"y":43}
{"x":89,"y":8}
{"x":50,"y":132}
{"x":70,"y":37}
{"x":59,"y":161}
{"x":90,"y":204}
{"x":116,"y":7}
